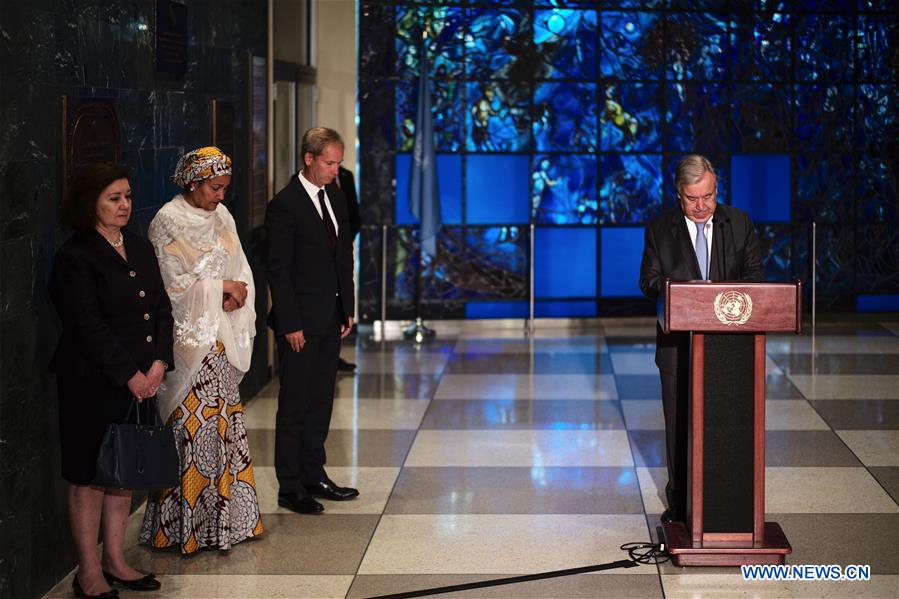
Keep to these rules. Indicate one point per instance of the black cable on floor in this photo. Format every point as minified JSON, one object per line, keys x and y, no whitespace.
{"x":639,"y":553}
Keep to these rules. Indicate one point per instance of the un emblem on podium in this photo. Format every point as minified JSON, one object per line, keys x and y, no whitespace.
{"x":733,"y":308}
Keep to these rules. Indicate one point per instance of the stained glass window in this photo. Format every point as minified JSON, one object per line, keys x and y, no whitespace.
{"x":571,"y":115}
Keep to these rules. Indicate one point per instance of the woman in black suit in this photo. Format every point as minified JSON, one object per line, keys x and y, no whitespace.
{"x":116,"y":345}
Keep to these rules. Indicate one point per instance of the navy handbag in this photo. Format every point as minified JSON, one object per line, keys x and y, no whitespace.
{"x":135,"y":455}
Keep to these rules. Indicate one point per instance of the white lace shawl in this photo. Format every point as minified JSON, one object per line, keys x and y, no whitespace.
{"x":197,"y":250}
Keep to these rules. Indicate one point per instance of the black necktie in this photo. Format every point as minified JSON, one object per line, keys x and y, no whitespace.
{"x":330,"y":233}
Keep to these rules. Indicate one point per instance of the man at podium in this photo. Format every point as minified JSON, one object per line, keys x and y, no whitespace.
{"x":696,"y":240}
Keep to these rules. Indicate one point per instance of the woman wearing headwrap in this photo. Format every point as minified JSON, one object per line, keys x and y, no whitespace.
{"x":211,"y":288}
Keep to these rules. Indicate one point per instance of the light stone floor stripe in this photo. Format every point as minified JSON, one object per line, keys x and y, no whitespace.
{"x":847,"y":386}
{"x":873,"y":447}
{"x":804,"y":490}
{"x":498,"y":543}
{"x":527,"y":386}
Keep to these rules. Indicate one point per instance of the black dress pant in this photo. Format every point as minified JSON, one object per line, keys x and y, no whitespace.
{"x":305,"y":400}
{"x":675,"y":405}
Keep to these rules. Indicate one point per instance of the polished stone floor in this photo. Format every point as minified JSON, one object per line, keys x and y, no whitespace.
{"x":487,"y":454}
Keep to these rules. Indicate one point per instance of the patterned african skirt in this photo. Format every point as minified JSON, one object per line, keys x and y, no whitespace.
{"x":216,"y":505}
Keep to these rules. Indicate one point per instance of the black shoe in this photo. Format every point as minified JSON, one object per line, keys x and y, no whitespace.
{"x":300,"y":503}
{"x":326,"y":489}
{"x":147,"y":583}
{"x":344,"y":366}
{"x":79,"y":592}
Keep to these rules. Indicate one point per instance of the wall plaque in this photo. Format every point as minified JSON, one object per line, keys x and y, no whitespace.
{"x":171,"y":37}
{"x":89,"y":132}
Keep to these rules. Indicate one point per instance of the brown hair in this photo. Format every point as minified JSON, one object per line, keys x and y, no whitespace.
{"x":315,"y":140}
{"x":79,"y":207}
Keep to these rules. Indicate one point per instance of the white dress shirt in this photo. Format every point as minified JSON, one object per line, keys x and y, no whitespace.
{"x":312,"y":190}
{"x":691,"y":227}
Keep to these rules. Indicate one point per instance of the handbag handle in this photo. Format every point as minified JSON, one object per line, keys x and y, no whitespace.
{"x":134,"y":407}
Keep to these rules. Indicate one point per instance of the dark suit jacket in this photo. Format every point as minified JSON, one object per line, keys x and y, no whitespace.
{"x":303,"y":275}
{"x":116,"y":315}
{"x":668,"y":253}
{"x":348,"y":187}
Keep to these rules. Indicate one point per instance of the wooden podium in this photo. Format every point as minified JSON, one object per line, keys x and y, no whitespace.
{"x":726,"y":453}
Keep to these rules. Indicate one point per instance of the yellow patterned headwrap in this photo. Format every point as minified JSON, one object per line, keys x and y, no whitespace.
{"x":199,"y":164}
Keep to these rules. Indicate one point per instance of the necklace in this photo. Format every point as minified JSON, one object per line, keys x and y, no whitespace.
{"x":117,"y":244}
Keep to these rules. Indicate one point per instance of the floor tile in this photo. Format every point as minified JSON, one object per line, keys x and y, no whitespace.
{"x":825,"y":490}
{"x":837,"y":363}
{"x":634,"y":363}
{"x":323,"y":544}
{"x":536,"y":363}
{"x":401,"y":363}
{"x":349,"y":413}
{"x":807,"y":448}
{"x":578,"y":344}
{"x":778,"y":386}
{"x":831,"y":344}
{"x":638,"y":386}
{"x":499,"y":543}
{"x":698,"y":585}
{"x":516,"y":491}
{"x":504,"y":414}
{"x":847,"y":386}
{"x":387,"y":386}
{"x":226,"y":586}
{"x":527,"y":386}
{"x":652,"y":488}
{"x":873,"y":448}
{"x":643,"y":415}
{"x":891,"y":326}
{"x":540,"y":448}
{"x":374,"y":484}
{"x":641,"y":343}
{"x":343,"y":447}
{"x":842,"y":539}
{"x":853,"y":414}
{"x":888,"y":478}
{"x":581,"y":586}
{"x":649,"y":447}
{"x":792,"y":415}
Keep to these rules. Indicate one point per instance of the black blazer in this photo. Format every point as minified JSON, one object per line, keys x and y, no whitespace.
{"x":116,"y":315}
{"x":668,"y":253}
{"x":303,"y":274}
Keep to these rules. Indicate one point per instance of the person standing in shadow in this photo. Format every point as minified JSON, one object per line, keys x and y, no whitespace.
{"x":347,"y":185}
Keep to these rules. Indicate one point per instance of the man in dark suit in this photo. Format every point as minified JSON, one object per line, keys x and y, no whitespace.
{"x":310,"y":274}
{"x":347,"y":185}
{"x":698,"y":239}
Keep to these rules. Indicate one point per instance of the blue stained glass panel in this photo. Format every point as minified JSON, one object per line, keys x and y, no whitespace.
{"x":497,"y":119}
{"x":621,"y":252}
{"x":776,"y":245}
{"x":631,"y":190}
{"x":877,"y":254}
{"x":444,"y":26}
{"x":877,"y":196}
{"x":565,"y":262}
{"x":565,"y":117}
{"x":496,"y":189}
{"x":878,"y":56}
{"x":497,"y":44}
{"x":761,"y":115}
{"x":497,"y":310}
{"x":821,"y":191}
{"x":442,"y":279}
{"x":877,"y":303}
{"x":583,"y":309}
{"x":446,"y":107}
{"x":760,"y":186}
{"x":563,"y":189}
{"x":698,"y":118}
{"x":497,"y":259}
{"x":449,"y":182}
{"x":631,"y":45}
{"x":824,"y":48}
{"x":835,"y":264}
{"x":878,"y":124}
{"x":823,"y":116}
{"x":761,"y":45}
{"x":565,"y":43}
{"x":630,"y":118}
{"x":696,"y":46}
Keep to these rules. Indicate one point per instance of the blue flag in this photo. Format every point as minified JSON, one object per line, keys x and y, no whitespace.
{"x":424,"y":199}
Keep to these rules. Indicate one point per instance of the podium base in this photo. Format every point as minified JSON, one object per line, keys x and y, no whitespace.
{"x":680,"y":545}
